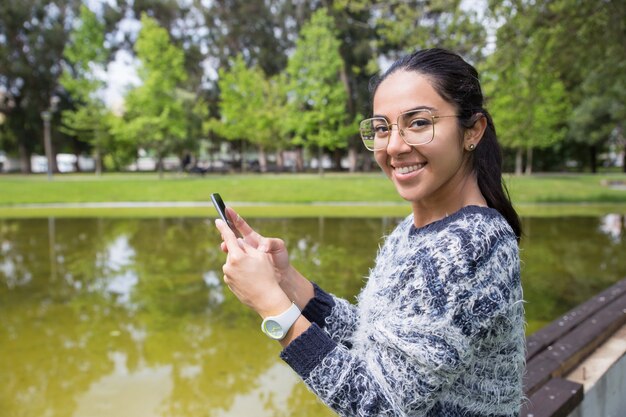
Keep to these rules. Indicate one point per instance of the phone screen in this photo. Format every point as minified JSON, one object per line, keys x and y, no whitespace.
{"x":221,"y":209}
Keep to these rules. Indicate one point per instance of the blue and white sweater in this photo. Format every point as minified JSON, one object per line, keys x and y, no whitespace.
{"x":438,"y":329}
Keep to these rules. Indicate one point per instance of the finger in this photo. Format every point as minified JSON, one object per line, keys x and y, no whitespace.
{"x":223,"y":247}
{"x":230,"y":240}
{"x":247,"y":247}
{"x":240,"y":224}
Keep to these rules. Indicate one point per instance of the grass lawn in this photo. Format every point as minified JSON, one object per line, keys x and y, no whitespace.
{"x":291,"y":195}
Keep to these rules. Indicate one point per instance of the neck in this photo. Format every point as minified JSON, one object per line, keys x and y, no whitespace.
{"x":462,"y":194}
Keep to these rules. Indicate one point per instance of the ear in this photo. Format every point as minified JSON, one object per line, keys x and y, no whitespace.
{"x":474,"y":134}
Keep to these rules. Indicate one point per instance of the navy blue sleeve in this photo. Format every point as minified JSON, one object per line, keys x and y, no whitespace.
{"x":306,"y":351}
{"x":319,"y":307}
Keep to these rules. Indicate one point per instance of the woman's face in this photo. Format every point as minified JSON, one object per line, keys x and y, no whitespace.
{"x":432,"y":174}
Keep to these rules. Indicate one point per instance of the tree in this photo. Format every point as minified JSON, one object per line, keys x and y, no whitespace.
{"x":32,"y":37}
{"x":529,"y":106}
{"x":402,"y":26}
{"x":155,"y":110}
{"x":257,"y":30}
{"x":85,"y":54}
{"x":250,"y":108}
{"x":317,"y":96}
{"x":581,"y":44}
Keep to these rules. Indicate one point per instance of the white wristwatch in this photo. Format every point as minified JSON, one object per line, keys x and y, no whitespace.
{"x":277,"y":327}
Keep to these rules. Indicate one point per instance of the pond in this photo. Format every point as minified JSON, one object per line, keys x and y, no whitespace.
{"x":129,"y":317}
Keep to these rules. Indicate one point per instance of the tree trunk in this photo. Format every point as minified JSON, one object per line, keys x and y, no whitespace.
{"x":337,"y":156}
{"x":262,"y":159}
{"x":55,"y":165}
{"x":299,"y":160}
{"x":25,"y":166}
{"x":368,"y":162}
{"x":98,"y":161}
{"x":519,"y":161}
{"x":160,"y":165}
{"x":593,"y":158}
{"x":353,"y":155}
{"x":77,"y":163}
{"x":320,"y":154}
{"x":529,"y":161}
{"x":280,"y":161}
{"x":244,"y":162}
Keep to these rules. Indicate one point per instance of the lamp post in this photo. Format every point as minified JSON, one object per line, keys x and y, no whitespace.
{"x":46,"y":116}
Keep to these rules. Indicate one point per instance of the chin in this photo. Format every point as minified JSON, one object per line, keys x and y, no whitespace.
{"x":408,"y":194}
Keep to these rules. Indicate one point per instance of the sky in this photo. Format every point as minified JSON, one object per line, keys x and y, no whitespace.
{"x":120,"y":74}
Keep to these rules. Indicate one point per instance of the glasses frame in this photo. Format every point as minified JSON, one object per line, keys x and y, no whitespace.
{"x":400,"y":130}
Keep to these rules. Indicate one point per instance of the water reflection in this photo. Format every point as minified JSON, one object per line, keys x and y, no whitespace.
{"x":613,"y":225}
{"x":123,"y":392}
{"x":108,"y":317}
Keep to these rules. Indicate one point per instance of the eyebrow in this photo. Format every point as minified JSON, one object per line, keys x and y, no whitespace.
{"x":406,"y":111}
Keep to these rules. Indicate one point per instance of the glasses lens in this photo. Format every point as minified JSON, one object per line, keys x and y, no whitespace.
{"x":374,"y":133}
{"x":417,"y":126}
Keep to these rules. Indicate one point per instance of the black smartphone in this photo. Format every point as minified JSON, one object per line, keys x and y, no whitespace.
{"x":221,"y":210}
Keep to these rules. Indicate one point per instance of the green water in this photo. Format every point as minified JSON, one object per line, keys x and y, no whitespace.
{"x":127,"y":317}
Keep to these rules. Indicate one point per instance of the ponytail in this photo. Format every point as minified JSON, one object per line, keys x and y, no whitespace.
{"x":487,"y":164}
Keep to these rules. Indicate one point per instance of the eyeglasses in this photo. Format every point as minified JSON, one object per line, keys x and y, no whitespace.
{"x":416,"y":127}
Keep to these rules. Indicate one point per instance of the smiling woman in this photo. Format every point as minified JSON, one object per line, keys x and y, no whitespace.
{"x":439,"y":327}
{"x":434,"y":173}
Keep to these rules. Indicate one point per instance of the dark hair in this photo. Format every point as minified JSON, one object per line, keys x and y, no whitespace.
{"x":457,"y":82}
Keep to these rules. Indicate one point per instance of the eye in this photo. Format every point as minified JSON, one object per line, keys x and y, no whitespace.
{"x":419,"y":123}
{"x":381,"y":128}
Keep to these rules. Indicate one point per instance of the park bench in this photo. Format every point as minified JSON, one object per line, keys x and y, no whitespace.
{"x":558,"y":348}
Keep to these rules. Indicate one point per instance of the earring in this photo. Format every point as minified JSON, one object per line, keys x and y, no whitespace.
{"x":471,"y":147}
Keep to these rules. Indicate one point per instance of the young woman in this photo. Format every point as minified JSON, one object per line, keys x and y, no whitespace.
{"x":439,"y":327}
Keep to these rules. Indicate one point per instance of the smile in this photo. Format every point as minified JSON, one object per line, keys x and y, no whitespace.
{"x":411,"y":168}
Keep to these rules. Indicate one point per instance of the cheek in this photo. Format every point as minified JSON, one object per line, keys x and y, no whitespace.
{"x":381,"y":159}
{"x":449,"y":143}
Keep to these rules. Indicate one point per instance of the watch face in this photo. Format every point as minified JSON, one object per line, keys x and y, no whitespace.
{"x":273,"y":329}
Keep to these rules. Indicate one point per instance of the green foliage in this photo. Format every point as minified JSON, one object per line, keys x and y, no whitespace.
{"x":553,"y":73}
{"x":155,"y":115}
{"x":565,"y":57}
{"x":317,"y":96}
{"x":250,"y":106}
{"x":402,"y":26}
{"x":85,"y":54}
{"x":32,"y":37}
{"x":603,"y":103}
{"x":529,"y":106}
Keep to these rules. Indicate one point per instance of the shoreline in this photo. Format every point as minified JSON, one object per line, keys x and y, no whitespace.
{"x":356,"y":209}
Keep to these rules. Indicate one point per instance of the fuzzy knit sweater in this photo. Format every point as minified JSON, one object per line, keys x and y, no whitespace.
{"x":438,"y":329}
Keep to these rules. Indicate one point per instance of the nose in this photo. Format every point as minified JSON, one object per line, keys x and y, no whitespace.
{"x":396,"y":144}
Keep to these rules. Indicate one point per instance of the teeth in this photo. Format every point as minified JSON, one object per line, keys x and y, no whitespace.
{"x":406,"y":170}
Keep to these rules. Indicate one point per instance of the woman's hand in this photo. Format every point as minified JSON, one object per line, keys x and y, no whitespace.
{"x":250,"y":273}
{"x":296,"y":286}
{"x":273,"y":247}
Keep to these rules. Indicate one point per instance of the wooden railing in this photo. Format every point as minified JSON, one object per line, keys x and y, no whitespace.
{"x":558,"y":348}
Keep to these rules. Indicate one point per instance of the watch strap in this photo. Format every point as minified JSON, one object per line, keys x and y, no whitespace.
{"x":285,"y":320}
